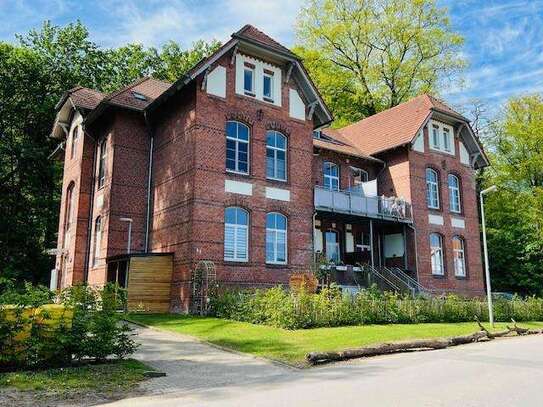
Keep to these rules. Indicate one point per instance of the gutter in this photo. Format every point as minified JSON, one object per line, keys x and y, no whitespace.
{"x":149,"y":179}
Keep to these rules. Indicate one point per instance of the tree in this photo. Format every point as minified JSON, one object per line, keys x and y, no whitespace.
{"x":34,"y":73}
{"x":370,"y":55}
{"x":515,"y":211}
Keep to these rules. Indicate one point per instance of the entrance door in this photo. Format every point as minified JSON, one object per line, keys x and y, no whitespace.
{"x":332,"y":246}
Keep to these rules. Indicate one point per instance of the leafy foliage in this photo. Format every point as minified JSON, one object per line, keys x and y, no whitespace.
{"x":280,"y":308}
{"x":515,"y":212}
{"x":368,"y":55}
{"x":87,"y":329}
{"x":34,"y":73}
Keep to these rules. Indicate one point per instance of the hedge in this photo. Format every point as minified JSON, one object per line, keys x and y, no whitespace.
{"x":328,"y":308}
{"x":84,"y":326}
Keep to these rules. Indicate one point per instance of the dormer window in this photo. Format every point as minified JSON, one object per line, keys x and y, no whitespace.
{"x":139,"y":96}
{"x":441,"y":138}
{"x":268,"y":86}
{"x":249,"y":79}
{"x":258,"y":79}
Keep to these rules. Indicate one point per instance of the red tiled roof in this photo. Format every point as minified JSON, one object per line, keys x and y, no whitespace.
{"x":147,"y":87}
{"x":85,"y":98}
{"x":393,"y":127}
{"x":253,"y":33}
{"x":339,"y":144}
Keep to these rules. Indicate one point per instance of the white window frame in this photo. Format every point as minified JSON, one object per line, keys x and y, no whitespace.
{"x":447,"y":139}
{"x":328,"y":179}
{"x":429,"y":185}
{"x":238,"y":141}
{"x":97,"y":244}
{"x":68,"y":216}
{"x":363,"y":173}
{"x":455,"y":198}
{"x":236,"y":230}
{"x":252,"y":91}
{"x":437,"y":251}
{"x":75,"y":137}
{"x":270,"y":98}
{"x":435,"y":139}
{"x":439,"y":133}
{"x":102,"y":163}
{"x":275,"y":161}
{"x":276,"y":232}
{"x":336,"y":245}
{"x":459,"y":254}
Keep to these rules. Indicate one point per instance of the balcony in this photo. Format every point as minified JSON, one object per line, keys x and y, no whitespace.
{"x":354,"y":202}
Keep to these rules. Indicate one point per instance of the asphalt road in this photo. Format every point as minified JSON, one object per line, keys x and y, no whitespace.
{"x":504,"y":372}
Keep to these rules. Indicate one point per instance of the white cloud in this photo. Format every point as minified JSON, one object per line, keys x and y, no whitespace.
{"x":152,"y":23}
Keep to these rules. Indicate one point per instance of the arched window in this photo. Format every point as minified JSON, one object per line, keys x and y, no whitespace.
{"x":436,"y":254}
{"x":68,"y":214}
{"x":454,"y":193}
{"x":236,"y":234}
{"x":432,"y":189}
{"x":276,"y":155}
{"x":75,"y":137}
{"x":331,"y":238}
{"x":237,"y":147}
{"x":459,"y":257}
{"x":331,"y":176}
{"x":276,"y":238}
{"x":97,"y":244}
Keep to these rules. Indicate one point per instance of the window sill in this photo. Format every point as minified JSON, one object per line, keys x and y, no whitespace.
{"x":442,"y":152}
{"x":239,"y":174}
{"x":262,"y":102}
{"x":250,"y":94}
{"x":439,"y":276}
{"x":236,"y":262}
{"x":277,"y":265}
{"x":277,"y":181}
{"x":461,"y":277}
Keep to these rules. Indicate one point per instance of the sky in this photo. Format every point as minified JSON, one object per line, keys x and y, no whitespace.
{"x":503,"y":39}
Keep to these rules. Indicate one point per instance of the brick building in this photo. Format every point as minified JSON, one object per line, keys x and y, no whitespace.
{"x":235,"y":163}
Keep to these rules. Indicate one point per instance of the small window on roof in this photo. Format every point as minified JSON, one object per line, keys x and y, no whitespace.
{"x":139,"y":96}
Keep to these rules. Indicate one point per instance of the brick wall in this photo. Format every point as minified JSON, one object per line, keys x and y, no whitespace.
{"x":445,"y":164}
{"x":77,"y":171}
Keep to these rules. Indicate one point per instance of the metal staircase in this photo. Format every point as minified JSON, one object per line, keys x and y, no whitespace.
{"x":394,"y":279}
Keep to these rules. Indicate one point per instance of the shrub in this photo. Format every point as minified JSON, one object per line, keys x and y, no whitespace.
{"x":85,"y":326}
{"x":297,"y":310}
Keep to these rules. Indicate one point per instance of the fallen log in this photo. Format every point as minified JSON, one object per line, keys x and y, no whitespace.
{"x":492,"y":335}
{"x":524,"y":331}
{"x":381,"y":349}
{"x":419,"y":344}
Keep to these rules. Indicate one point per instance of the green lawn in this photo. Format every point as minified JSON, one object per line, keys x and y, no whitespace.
{"x":292,"y":346}
{"x":107,"y":377}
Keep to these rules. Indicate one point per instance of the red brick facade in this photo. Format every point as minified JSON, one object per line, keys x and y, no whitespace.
{"x":188,"y":193}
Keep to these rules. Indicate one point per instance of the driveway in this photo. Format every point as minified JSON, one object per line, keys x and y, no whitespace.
{"x":503,"y":372}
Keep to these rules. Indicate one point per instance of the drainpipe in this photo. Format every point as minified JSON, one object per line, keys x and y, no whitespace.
{"x":149,"y":179}
{"x":91,"y":207}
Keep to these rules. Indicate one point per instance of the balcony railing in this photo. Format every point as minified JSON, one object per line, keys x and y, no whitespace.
{"x":354,"y":203}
